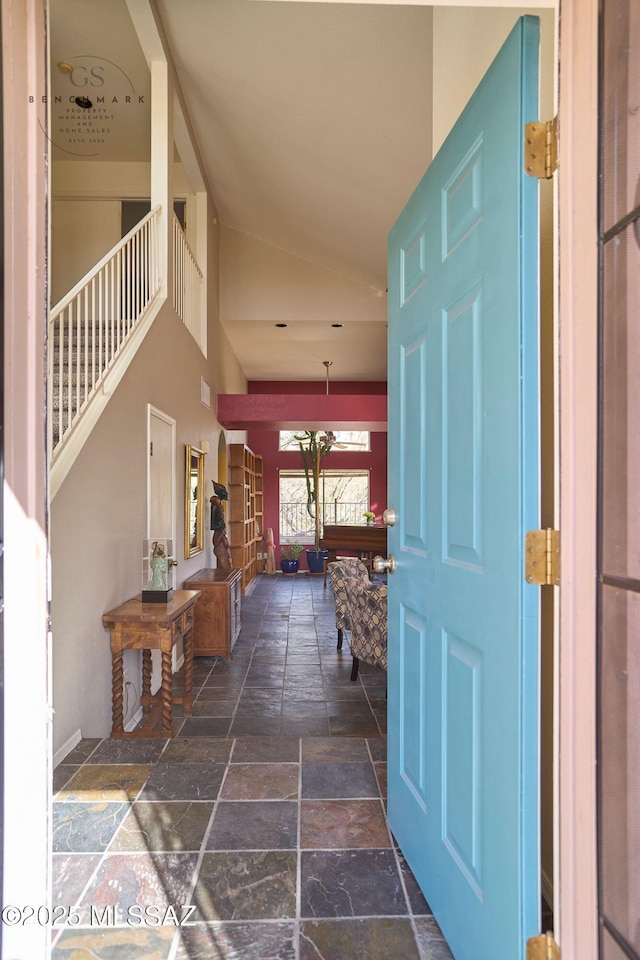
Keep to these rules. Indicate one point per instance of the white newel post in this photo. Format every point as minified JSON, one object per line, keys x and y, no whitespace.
{"x":162,"y":166}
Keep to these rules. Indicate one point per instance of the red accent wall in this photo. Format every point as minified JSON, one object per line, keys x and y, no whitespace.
{"x":338,"y":387}
{"x":266,"y":443}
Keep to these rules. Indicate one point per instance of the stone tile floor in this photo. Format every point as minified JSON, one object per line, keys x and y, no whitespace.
{"x":265,"y":813}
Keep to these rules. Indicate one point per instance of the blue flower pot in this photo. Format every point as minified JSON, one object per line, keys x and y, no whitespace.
{"x":289,"y":567}
{"x":315,"y":560}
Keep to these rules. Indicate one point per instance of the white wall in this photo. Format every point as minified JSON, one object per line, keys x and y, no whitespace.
{"x":263,"y":283}
{"x":82,"y":231}
{"x":465,"y":41}
{"x":98,"y":517}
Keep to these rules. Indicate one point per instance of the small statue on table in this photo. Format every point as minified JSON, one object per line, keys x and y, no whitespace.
{"x":218,"y":527}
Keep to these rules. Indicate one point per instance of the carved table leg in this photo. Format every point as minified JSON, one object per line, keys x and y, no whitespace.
{"x":187,"y":641}
{"x":166,"y":692}
{"x":146,"y":682}
{"x":117,"y":728}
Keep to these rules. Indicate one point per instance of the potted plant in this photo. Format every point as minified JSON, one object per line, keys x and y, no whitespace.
{"x":290,"y":557}
{"x":369,"y":517}
{"x":314,"y":445}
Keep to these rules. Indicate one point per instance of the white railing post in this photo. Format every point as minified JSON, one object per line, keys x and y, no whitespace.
{"x":87,"y":330}
{"x":188,"y":286}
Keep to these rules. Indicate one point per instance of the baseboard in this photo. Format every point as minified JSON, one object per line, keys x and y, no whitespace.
{"x":67,"y":747}
{"x":547,"y":888}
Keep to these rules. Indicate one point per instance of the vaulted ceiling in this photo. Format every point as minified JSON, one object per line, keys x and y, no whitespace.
{"x":313,"y":121}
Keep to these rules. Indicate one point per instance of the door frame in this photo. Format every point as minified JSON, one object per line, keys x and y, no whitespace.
{"x":577,"y":258}
{"x":576,"y":255}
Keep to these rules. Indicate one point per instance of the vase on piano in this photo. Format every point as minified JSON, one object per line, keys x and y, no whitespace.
{"x":315,"y":560}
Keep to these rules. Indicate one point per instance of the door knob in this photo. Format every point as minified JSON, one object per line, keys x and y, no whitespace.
{"x":389,"y":516}
{"x":384,"y":564}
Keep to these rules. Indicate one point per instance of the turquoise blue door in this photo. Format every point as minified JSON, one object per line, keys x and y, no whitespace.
{"x":463,"y":480}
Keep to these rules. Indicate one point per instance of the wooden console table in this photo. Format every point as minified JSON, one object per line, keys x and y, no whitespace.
{"x":152,"y":626}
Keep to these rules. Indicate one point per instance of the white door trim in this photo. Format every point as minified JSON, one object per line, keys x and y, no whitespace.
{"x":575,"y":848}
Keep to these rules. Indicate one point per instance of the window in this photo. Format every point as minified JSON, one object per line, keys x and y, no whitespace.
{"x":354,"y":440}
{"x":345,"y":495}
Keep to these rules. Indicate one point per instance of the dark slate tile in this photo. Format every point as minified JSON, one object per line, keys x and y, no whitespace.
{"x":377,"y":748}
{"x":85,"y":827}
{"x":261,"y":750}
{"x":205,"y":727}
{"x":331,"y":749}
{"x":214,"y":708}
{"x":431,"y":942}
{"x":81,"y":751}
{"x":340,"y":691}
{"x":126,"y":943}
{"x":381,"y":777}
{"x":294,"y":693}
{"x":197,"y":750}
{"x":70,"y":874}
{"x":255,"y":727}
{"x":237,"y":941}
{"x":417,"y":903}
{"x":126,"y":880}
{"x":110,"y":782}
{"x":257,"y":825}
{"x":342,"y":708}
{"x":261,"y":781}
{"x":62,"y":774}
{"x":338,"y":780}
{"x":143,"y":750}
{"x":184,"y":781}
{"x":293,"y":726}
{"x":265,"y":677}
{"x":372,"y":939}
{"x":248,"y":707}
{"x":217,"y":695}
{"x":164,"y":827}
{"x":354,"y":727}
{"x":260,"y":695}
{"x":260,"y":885}
{"x":343,"y":824}
{"x":348,"y":883}
{"x":305,"y":711}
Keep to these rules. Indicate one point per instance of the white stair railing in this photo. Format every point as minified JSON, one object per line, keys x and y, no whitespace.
{"x":188,"y":287}
{"x":89,"y":327}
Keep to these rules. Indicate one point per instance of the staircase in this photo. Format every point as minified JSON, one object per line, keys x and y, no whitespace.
{"x":92,"y":328}
{"x":96,"y":329}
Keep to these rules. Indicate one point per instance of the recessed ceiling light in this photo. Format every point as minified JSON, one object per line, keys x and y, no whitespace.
{"x":65,"y":68}
{"x":337,"y":324}
{"x":280,"y":324}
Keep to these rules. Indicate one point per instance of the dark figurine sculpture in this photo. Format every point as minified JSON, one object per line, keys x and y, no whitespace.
{"x":218,"y":527}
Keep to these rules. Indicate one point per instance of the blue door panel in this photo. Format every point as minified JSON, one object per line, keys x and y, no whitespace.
{"x":463,"y":478}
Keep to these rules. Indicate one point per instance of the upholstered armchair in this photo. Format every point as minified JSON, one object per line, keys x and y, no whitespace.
{"x":339,"y":571}
{"x":367,"y":611}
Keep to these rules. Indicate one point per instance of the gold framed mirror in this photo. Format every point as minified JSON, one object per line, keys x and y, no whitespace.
{"x":194,"y":502}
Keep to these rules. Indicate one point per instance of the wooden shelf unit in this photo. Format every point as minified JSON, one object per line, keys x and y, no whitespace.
{"x":245,"y":510}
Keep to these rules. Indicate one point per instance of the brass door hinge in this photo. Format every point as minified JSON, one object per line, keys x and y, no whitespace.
{"x":542,"y":559}
{"x":543,"y":947}
{"x":541,"y":149}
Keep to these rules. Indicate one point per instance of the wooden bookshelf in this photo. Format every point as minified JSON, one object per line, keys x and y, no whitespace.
{"x":245,"y":510}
